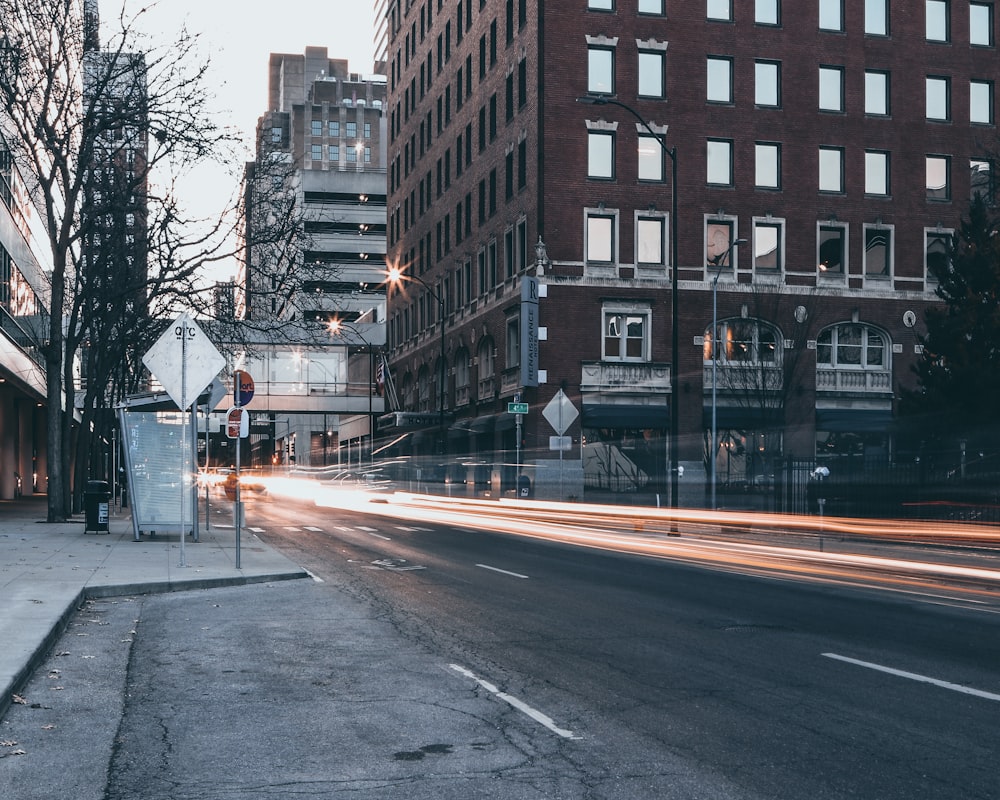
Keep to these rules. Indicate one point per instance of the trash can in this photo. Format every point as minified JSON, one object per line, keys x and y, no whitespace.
{"x":523,"y":487}
{"x":96,"y":506}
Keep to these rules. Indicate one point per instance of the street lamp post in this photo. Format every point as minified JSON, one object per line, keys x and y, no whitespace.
{"x":396,"y":276}
{"x":601,"y":100}
{"x":718,"y":262}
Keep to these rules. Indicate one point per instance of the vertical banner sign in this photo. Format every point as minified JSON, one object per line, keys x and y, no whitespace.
{"x":242,"y":388}
{"x":529,"y":331}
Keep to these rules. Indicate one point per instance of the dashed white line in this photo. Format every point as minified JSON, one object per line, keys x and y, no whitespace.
{"x":520,"y":705}
{"x":292,"y":528}
{"x":913,"y":676}
{"x":313,"y":528}
{"x":501,"y":571}
{"x":255,"y":530}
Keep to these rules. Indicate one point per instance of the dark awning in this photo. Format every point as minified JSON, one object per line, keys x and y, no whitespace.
{"x":849,"y":420}
{"x":621,"y":416}
{"x":741,"y":418}
{"x":482,"y":424}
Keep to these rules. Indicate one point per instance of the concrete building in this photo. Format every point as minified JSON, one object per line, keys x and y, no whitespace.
{"x":315,"y":223}
{"x":822,"y":155}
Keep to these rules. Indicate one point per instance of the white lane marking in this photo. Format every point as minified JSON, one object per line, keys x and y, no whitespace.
{"x":363,"y":528}
{"x":501,"y":571}
{"x":520,"y":705}
{"x":255,"y":530}
{"x":313,"y":528}
{"x":955,"y":687}
{"x":342,"y":528}
{"x":314,"y":576}
{"x":292,"y":528}
{"x":405,"y":529}
{"x":371,"y":532}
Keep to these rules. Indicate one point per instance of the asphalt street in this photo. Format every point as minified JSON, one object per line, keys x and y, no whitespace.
{"x":427,"y":662}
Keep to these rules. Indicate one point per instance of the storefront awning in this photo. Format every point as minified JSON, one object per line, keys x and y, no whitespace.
{"x":625,"y":416}
{"x":849,"y":420}
{"x":741,"y":418}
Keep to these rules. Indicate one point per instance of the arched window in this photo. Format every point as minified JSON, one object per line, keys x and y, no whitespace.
{"x":462,"y":368}
{"x":487,"y":356}
{"x":852,"y":345}
{"x":744,"y":341}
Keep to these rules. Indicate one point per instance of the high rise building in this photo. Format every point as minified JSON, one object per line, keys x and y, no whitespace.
{"x":718,"y":260}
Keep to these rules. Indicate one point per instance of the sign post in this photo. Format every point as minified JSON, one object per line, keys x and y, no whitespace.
{"x":237,"y":427}
{"x":184,"y":350}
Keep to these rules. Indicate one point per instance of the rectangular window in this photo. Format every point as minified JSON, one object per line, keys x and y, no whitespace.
{"x":768,"y":243}
{"x":718,"y":240}
{"x":877,"y":17}
{"x":878,"y":251}
{"x":600,"y":70}
{"x":649,"y":241}
{"x":352,"y":130}
{"x":720,"y":80}
{"x":767,"y":12}
{"x":937,"y":27}
{"x":513,"y":341}
{"x":601,"y":5}
{"x":651,"y":72}
{"x":767,"y":84}
{"x":720,"y":162}
{"x":317,"y":152}
{"x":333,"y":129}
{"x":650,"y":159}
{"x":938,"y":170}
{"x":275,"y":135}
{"x":876,"y":93}
{"x":767,"y":171}
{"x":981,"y":24}
{"x":600,"y":154}
{"x":651,"y":7}
{"x":625,"y":335}
{"x":831,"y":89}
{"x":334,"y":153}
{"x":937,"y":252}
{"x":831,"y":246}
{"x":981,"y":102}
{"x":600,"y":238}
{"x":981,"y":180}
{"x":720,"y":9}
{"x":317,"y":127}
{"x":831,"y":169}
{"x":938,"y":98}
{"x":876,"y":172}
{"x":831,"y":15}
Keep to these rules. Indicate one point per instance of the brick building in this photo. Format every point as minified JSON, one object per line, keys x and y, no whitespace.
{"x":823,"y":153}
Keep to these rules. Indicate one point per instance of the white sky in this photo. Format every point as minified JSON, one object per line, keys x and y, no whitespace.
{"x":239,"y":37}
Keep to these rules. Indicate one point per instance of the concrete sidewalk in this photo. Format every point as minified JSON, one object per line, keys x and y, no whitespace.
{"x":48,"y":570}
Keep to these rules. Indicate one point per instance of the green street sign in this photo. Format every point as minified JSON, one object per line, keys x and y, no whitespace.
{"x":517,"y":408}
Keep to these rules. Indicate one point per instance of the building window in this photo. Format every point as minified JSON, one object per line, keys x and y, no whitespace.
{"x":981,"y":102}
{"x":767,"y":171}
{"x":876,"y":93}
{"x":720,"y":80}
{"x":981,"y":24}
{"x":877,"y":17}
{"x":650,"y":238}
{"x":937,"y":252}
{"x":767,"y":12}
{"x":651,"y":7}
{"x":720,"y":162}
{"x":831,"y":249}
{"x":878,"y":251}
{"x":768,"y":245}
{"x":831,"y":15}
{"x":831,"y":89}
{"x":831,"y":169}
{"x":937,"y":26}
{"x":718,"y":239}
{"x":720,"y":9}
{"x":938,"y":98}
{"x":652,"y":66}
{"x":938,"y":170}
{"x":600,"y":238}
{"x":600,"y":154}
{"x":600,"y":70}
{"x":651,"y":166}
{"x":743,"y":341}
{"x":333,"y":129}
{"x":275,"y":135}
{"x":352,"y":130}
{"x":981,"y":180}
{"x":513,"y":341}
{"x":876,"y":172}
{"x":334,"y":153}
{"x":317,"y":152}
{"x":317,"y":127}
{"x":601,"y":5}
{"x":852,"y":346}
{"x":767,"y":84}
{"x":626,"y":335}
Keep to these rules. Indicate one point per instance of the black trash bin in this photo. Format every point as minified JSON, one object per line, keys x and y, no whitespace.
{"x":97,"y":506}
{"x":523,"y":487}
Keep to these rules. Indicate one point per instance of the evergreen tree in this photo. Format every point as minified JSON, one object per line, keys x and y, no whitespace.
{"x":958,"y":393}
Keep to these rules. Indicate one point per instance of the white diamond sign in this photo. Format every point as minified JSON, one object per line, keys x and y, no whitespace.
{"x":184,"y":361}
{"x":560,"y":412}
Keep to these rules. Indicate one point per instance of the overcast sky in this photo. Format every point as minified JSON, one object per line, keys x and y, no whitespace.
{"x":239,"y":37}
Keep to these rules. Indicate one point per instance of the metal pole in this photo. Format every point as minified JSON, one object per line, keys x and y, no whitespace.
{"x":715,"y":363}
{"x":442,"y":376}
{"x":674,"y":333}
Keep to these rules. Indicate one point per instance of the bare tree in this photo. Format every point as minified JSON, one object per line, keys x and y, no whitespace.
{"x":65,"y":102}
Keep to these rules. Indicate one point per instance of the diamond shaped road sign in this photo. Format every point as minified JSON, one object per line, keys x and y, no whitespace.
{"x":184,"y":361}
{"x":560,"y":412}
